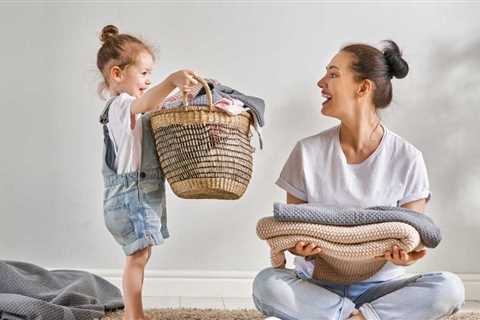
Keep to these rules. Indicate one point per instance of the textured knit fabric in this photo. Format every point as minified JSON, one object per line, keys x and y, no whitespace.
{"x":32,"y":293}
{"x":317,"y":171}
{"x":348,"y":253}
{"x":312,"y":213}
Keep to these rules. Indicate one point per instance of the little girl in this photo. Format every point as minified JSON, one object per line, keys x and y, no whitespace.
{"x":134,"y":197}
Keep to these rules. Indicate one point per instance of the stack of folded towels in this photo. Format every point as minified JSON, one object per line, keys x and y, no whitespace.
{"x":350,"y":238}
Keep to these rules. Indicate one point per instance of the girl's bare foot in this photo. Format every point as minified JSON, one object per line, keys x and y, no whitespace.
{"x":144,"y":318}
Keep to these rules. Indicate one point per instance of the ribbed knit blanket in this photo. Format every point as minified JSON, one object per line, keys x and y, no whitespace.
{"x":348,"y":252}
{"x":429,"y":232}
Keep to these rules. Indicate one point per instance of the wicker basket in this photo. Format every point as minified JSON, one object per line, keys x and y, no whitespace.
{"x":204,"y":152}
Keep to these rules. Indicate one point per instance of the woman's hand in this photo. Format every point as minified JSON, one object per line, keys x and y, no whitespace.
{"x":183,"y":79}
{"x":305,"y":249}
{"x":401,"y":258}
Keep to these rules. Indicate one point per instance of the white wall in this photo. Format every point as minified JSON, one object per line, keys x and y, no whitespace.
{"x":50,"y":181}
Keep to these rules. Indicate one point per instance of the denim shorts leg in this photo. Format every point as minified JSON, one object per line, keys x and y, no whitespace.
{"x":152,"y":199}
{"x":135,"y":216}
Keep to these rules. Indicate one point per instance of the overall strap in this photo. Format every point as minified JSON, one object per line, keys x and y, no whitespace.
{"x":109,"y":147}
{"x":104,"y":114}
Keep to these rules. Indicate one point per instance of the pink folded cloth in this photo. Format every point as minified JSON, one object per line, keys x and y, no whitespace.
{"x":231,"y":105}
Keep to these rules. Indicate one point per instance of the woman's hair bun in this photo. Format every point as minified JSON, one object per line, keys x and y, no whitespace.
{"x":108,"y":32}
{"x":397,"y":66}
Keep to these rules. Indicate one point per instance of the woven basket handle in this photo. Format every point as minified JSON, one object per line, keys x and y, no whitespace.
{"x":207,"y":90}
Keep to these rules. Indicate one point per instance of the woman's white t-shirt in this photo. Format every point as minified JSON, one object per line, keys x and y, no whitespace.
{"x":317,"y":172}
{"x":127,"y":142}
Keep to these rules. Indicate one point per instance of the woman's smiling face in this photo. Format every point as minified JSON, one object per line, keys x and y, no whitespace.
{"x":338,"y":86}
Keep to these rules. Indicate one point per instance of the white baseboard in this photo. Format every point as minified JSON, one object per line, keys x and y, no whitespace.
{"x":198,"y":283}
{"x":227,"y":284}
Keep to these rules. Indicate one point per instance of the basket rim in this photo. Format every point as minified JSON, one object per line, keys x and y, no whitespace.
{"x":184,"y":109}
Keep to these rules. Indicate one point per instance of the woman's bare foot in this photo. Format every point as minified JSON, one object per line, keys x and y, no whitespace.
{"x":356,"y":315}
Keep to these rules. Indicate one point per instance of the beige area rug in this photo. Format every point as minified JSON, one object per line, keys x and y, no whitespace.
{"x":215,"y":314}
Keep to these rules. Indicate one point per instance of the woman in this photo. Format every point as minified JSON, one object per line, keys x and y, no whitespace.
{"x":359,"y":163}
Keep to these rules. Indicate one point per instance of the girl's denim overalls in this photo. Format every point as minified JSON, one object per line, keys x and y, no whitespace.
{"x":134,"y":203}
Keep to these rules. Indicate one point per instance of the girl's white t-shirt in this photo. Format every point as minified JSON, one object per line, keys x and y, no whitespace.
{"x":127,"y":142}
{"x":317,"y":172}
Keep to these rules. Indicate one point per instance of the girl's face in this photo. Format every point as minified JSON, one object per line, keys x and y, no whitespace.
{"x":339,"y":87}
{"x":135,"y":79}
